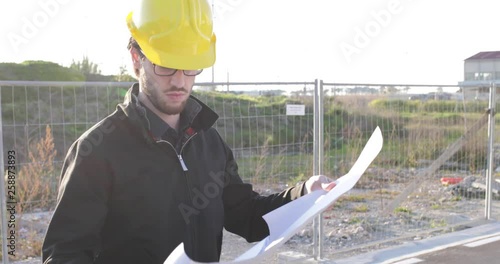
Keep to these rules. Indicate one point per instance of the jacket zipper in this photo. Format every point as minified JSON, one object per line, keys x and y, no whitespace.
{"x":182,"y":148}
{"x":188,"y":182}
{"x":179,"y":155}
{"x":195,"y":227}
{"x":184,"y":167}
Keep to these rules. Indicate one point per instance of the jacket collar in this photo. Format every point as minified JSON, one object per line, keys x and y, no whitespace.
{"x":198,"y":114}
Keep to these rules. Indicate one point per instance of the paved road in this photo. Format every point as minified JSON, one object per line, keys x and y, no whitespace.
{"x":466,"y":253}
{"x":479,"y":244}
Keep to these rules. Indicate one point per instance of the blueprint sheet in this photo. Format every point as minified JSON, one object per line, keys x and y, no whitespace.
{"x":287,"y":220}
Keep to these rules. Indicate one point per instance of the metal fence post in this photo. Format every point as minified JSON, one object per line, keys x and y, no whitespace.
{"x":5,"y":255}
{"x":315,"y":161}
{"x":318,"y":163}
{"x":321,"y":141}
{"x":491,"y":154}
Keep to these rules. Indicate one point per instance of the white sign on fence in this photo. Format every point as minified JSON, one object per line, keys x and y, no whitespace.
{"x":295,"y":110}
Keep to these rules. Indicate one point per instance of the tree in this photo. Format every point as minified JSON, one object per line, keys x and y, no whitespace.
{"x":388,"y":89}
{"x":406,"y":89}
{"x":85,"y":66}
{"x":123,"y":76}
{"x":337,"y":90}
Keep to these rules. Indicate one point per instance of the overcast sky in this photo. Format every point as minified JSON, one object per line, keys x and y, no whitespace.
{"x":356,"y":41}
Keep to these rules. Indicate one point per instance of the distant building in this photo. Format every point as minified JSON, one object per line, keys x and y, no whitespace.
{"x":480,"y":71}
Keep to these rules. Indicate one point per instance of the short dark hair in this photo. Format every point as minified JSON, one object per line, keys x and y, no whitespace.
{"x":132,"y":43}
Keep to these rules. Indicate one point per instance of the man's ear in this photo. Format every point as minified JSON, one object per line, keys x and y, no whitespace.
{"x":136,"y":60}
{"x":134,"y":53}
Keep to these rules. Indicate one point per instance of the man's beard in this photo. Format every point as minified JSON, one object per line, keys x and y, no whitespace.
{"x":155,"y":95}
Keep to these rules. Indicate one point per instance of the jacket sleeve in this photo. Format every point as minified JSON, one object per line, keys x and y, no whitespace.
{"x":244,"y":208}
{"x":73,"y":233}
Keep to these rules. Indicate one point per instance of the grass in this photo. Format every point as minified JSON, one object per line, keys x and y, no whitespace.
{"x":36,"y":180}
{"x":438,"y":223}
{"x":362,"y":208}
{"x":253,"y":122}
{"x":387,"y":192}
{"x":355,"y":220}
{"x":354,"y":198}
{"x":436,"y":206}
{"x":402,"y":210}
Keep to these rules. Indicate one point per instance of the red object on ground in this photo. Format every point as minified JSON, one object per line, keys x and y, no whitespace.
{"x":451,"y":180}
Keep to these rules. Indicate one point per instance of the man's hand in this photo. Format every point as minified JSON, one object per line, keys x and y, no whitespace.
{"x":318,"y":182}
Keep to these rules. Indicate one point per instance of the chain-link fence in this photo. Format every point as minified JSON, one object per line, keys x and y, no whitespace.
{"x":430,"y":176}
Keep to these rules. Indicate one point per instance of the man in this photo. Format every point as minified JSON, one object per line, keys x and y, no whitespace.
{"x":155,"y":173}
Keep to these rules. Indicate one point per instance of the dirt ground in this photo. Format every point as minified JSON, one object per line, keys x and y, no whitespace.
{"x":354,"y":225}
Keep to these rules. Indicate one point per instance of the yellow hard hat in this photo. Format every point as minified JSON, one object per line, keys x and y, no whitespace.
{"x":176,"y":34}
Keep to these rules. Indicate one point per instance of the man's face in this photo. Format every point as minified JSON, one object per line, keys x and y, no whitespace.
{"x":168,"y":94}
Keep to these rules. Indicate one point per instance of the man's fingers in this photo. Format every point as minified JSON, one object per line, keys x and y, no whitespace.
{"x":328,"y":186}
{"x":318,"y":182}
{"x":324,"y":179}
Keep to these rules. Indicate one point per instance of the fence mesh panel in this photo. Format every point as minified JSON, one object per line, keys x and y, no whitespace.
{"x":399,"y":196}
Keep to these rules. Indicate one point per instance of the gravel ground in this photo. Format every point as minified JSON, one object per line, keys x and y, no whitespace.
{"x":354,"y":220}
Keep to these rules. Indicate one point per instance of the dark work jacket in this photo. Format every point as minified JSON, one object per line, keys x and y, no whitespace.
{"x":126,"y":197}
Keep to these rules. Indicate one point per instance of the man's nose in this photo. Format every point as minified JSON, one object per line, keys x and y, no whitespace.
{"x":178,"y":79}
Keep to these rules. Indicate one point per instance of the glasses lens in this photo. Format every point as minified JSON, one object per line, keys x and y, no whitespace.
{"x":192,"y":72}
{"x":164,"y":71}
